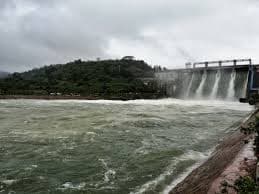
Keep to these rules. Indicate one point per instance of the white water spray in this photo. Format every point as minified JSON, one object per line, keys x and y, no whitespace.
{"x":187,"y":94}
{"x":214,"y":91}
{"x":201,"y":86}
{"x":245,"y":87}
{"x":231,"y":87}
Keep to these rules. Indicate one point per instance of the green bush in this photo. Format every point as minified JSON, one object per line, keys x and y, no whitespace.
{"x":246,"y":185}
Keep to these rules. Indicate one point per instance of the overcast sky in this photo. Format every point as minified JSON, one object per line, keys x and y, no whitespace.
{"x":34,"y":33}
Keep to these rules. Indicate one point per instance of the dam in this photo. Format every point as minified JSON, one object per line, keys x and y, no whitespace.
{"x":225,"y":80}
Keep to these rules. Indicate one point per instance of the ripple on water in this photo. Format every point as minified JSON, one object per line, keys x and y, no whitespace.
{"x":188,"y":161}
{"x":143,"y":146}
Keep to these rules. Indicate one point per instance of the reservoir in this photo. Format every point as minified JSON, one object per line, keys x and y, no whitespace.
{"x":138,"y":146}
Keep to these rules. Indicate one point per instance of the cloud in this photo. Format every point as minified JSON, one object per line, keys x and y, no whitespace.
{"x":165,"y":32}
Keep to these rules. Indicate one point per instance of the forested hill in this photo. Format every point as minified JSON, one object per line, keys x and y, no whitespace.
{"x":108,"y":78}
{"x":3,"y":74}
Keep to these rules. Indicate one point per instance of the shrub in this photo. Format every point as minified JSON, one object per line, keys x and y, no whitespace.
{"x":246,"y":185}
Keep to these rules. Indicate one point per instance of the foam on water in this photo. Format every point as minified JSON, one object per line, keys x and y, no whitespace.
{"x":69,"y":185}
{"x":199,"y":157}
{"x":139,"y":145}
{"x":110,"y":173}
{"x":231,"y":105}
{"x":9,"y":181}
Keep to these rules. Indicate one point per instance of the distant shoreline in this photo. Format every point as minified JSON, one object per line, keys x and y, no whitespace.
{"x":47,"y":97}
{"x":62,"y":97}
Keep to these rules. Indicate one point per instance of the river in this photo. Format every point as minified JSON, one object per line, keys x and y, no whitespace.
{"x":140,"y":146}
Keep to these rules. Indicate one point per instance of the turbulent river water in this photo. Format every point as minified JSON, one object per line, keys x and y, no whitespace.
{"x":141,"y":146}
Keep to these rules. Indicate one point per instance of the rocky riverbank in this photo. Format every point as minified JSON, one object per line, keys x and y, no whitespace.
{"x":229,"y":161}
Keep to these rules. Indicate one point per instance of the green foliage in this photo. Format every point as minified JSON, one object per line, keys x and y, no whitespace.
{"x":246,"y":185}
{"x":100,"y":78}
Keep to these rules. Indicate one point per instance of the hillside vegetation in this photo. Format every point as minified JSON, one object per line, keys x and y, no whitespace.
{"x":3,"y":74}
{"x":109,"y":78}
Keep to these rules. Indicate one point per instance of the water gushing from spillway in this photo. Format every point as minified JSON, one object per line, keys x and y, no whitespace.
{"x":209,"y":84}
{"x":187,"y":94}
{"x":245,"y":87}
{"x":199,"y":91}
{"x":214,"y":91}
{"x":231,"y":87}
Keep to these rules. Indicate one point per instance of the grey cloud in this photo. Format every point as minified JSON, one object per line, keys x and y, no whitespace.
{"x":35,"y":33}
{"x":6,"y":3}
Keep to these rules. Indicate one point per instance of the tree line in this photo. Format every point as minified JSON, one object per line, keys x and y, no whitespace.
{"x":86,"y":78}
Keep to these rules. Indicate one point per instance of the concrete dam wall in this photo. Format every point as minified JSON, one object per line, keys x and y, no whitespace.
{"x":204,"y":83}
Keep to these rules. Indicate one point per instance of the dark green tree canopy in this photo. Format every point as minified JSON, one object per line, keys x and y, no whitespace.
{"x":100,"y":78}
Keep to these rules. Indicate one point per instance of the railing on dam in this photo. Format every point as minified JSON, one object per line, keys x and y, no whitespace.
{"x":223,"y":79}
{"x":237,"y":64}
